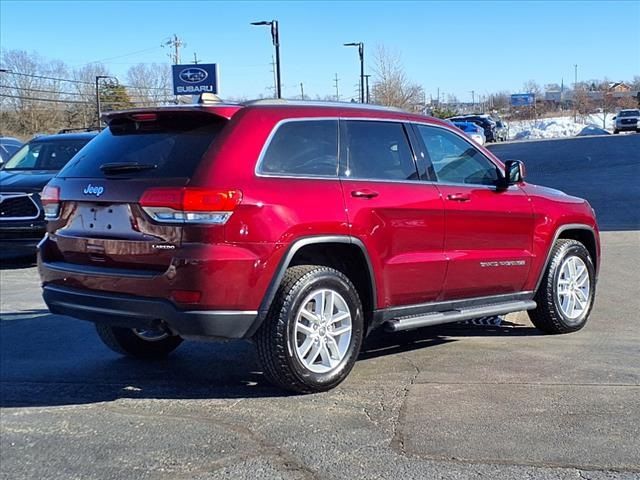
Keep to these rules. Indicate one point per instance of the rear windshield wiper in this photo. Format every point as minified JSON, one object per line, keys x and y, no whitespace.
{"x":122,"y":167}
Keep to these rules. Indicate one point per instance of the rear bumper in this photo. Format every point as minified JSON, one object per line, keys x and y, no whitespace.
{"x":142,"y":312}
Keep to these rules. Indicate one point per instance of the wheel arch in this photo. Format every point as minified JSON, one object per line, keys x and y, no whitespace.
{"x":584,"y":234}
{"x":345,"y":253}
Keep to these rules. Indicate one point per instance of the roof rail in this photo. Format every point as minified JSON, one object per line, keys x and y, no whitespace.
{"x":79,"y":129}
{"x":317,"y":103}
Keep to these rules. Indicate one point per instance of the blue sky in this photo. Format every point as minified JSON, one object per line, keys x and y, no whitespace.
{"x":455,"y":46}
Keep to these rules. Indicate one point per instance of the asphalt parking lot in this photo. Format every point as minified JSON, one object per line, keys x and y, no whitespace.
{"x":450,"y":402}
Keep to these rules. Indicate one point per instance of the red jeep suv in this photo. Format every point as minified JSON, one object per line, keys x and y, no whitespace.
{"x":304,"y":226}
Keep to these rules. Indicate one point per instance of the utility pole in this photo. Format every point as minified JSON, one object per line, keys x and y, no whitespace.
{"x":302,"y":90}
{"x":195,"y":58}
{"x":275,"y":77}
{"x":335,"y":82}
{"x":366,"y":82}
{"x":575,"y":91}
{"x":177,"y":43}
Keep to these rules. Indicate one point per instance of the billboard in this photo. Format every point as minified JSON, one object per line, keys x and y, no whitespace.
{"x":523,"y":99}
{"x":195,"y":79}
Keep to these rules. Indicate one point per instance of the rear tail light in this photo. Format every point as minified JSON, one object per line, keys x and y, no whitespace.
{"x":190,"y":204}
{"x":50,"y":198}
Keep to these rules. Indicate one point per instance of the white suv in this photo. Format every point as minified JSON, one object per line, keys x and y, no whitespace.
{"x":627,"y":120}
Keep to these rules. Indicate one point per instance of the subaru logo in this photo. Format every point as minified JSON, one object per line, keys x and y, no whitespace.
{"x":193,"y":75}
{"x":93,"y":190}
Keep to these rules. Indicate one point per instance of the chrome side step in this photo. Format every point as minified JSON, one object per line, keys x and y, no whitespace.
{"x":456,"y":315}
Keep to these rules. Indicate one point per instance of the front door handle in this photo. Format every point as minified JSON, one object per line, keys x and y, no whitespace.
{"x":459,"y":197}
{"x":366,"y":193}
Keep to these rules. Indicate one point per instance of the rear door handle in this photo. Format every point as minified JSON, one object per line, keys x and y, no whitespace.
{"x":366,"y":193}
{"x":459,"y":197}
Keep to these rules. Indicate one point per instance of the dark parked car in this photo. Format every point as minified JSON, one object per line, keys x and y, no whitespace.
{"x":304,"y":226}
{"x":487,"y":124}
{"x":8,"y":146}
{"x":22,"y":178}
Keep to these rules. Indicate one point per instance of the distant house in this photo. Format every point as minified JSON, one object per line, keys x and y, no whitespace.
{"x":619,"y":87}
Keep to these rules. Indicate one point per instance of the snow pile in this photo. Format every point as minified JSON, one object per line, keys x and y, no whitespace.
{"x":555,"y":127}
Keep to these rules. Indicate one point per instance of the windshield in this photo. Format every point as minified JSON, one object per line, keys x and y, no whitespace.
{"x":629,"y":113}
{"x":49,"y":155}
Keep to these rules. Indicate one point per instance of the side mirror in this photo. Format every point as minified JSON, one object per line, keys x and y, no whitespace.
{"x":613,"y":118}
{"x":514,"y":172}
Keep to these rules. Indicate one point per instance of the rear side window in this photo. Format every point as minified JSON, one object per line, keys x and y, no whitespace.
{"x":50,"y":155}
{"x":378,"y":151}
{"x":308,"y":147}
{"x":171,"y":144}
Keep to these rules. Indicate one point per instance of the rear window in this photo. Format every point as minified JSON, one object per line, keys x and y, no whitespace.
{"x":171,"y":144}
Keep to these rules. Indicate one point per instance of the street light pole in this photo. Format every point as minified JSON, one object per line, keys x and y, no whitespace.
{"x":360,"y":46}
{"x":366,"y":77}
{"x":275,"y":38}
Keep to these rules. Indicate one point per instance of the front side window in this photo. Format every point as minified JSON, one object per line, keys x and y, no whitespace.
{"x":455,"y":160}
{"x":308,"y":148}
{"x":377,"y":151}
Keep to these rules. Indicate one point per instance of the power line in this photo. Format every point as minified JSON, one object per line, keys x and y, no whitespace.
{"x":21,"y":97}
{"x":43,"y":99}
{"x":48,"y":91}
{"x":77,"y":81}
{"x":122,"y":56}
{"x":46,"y":78}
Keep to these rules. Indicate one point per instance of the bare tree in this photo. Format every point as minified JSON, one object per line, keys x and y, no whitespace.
{"x":149,"y":84}
{"x":391,"y":87}
{"x":84,"y":114}
{"x":32,"y":95}
{"x":501,"y":100}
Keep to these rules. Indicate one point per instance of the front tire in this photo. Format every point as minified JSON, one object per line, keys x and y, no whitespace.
{"x":616,"y":132}
{"x":311,"y":337}
{"x":567,"y":291}
{"x":145,"y":344}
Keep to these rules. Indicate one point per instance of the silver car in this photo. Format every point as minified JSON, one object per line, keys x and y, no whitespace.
{"x":627,"y":120}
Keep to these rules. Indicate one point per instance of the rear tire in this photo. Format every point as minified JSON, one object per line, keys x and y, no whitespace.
{"x":615,"y":132}
{"x":311,"y":337}
{"x":567,"y":291}
{"x":138,"y":343}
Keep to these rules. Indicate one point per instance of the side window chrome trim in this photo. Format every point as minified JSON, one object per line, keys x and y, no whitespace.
{"x":258,"y":168}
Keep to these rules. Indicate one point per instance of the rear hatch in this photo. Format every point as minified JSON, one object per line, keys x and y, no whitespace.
{"x":95,"y":204}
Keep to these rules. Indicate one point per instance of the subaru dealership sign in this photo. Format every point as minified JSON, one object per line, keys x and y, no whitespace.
{"x":523,"y":99}
{"x":195,"y":79}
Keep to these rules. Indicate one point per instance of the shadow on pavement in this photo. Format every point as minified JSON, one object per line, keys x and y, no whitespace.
{"x":49,"y":360}
{"x":13,"y":263}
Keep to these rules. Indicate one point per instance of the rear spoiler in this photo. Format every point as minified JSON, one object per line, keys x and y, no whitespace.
{"x":220,"y":110}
